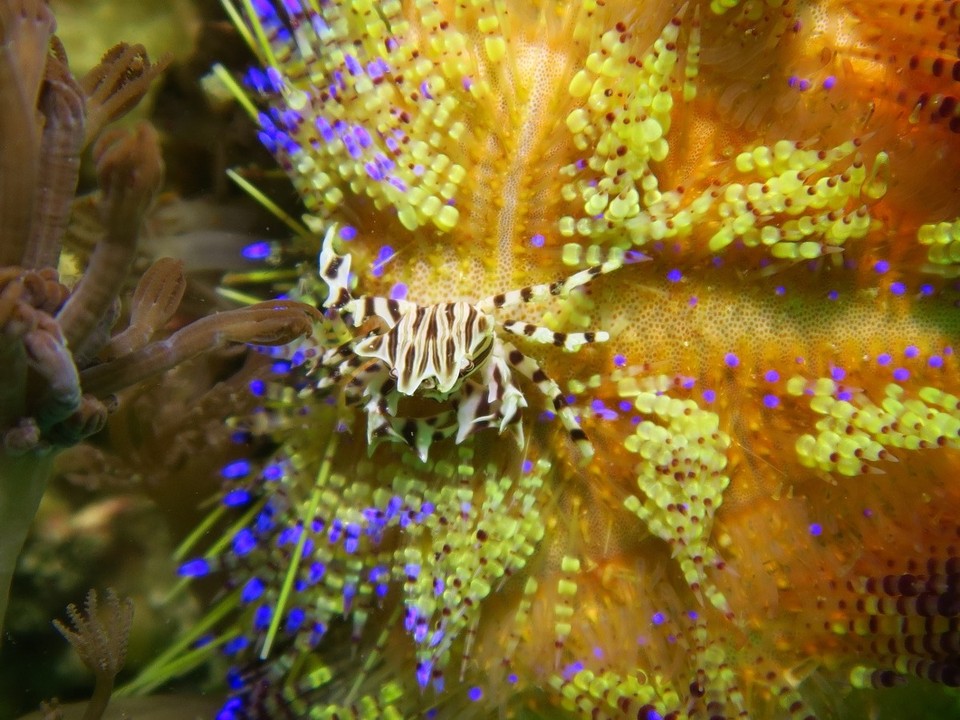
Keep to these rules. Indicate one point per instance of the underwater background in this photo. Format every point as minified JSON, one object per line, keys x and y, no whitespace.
{"x":327,"y":414}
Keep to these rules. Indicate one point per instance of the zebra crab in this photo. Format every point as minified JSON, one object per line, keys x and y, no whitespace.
{"x":456,"y":353}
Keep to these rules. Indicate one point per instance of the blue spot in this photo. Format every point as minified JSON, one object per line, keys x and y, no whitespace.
{"x":512,"y":678}
{"x":884,"y":359}
{"x":234,"y":680}
{"x":771,"y":401}
{"x":386,"y":252}
{"x":257,"y":388}
{"x":352,"y":146}
{"x":295,"y":619}
{"x":194,"y":568}
{"x":289,"y":536}
{"x":619,"y":360}
{"x":537,"y":240}
{"x":816,"y":529}
{"x":240,"y":437}
{"x":267,"y":141}
{"x":262,"y":617}
{"x":423,"y":674}
{"x":373,"y":69}
{"x":398,"y":292}
{"x":235,"y":498}
{"x":236,"y":645}
{"x":252,"y":590}
{"x":275,"y":78}
{"x":237,"y":469}
{"x":658,"y":618}
{"x":731,"y":360}
{"x":780,"y":290}
{"x":256,"y":251}
{"x":901,"y":374}
{"x":227,"y":712}
{"x":256,"y":80}
{"x":935,"y":361}
{"x":926,"y":289}
{"x":316,"y":573}
{"x":474,"y":694}
{"x":353,"y":66}
{"x":326,"y":132}
{"x":833,"y":295}
{"x":272,"y":472}
{"x":845,"y":395}
{"x":674,"y":276}
{"x":280,"y":367}
{"x":243,"y":542}
{"x":333,"y":534}
{"x":881,"y":266}
{"x":911,"y":351}
{"x":771,"y":376}
{"x":709,"y":396}
{"x":526,"y":466}
{"x":898,"y":288}
{"x":351,"y":542}
{"x":829,"y":82}
{"x":837,"y":373}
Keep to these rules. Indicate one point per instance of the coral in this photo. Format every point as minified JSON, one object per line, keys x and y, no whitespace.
{"x":100,"y":639}
{"x":769,"y":526}
{"x":61,"y":367}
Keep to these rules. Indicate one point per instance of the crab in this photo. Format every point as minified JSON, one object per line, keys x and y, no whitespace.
{"x":455,"y":353}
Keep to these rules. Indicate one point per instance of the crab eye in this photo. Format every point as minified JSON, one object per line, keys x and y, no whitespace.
{"x":466,"y":367}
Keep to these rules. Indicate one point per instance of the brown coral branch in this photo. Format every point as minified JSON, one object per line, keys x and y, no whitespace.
{"x":155,"y":300}
{"x":26,"y":27}
{"x":130,"y":171}
{"x":100,"y":639}
{"x":49,"y":358}
{"x":62,"y":105}
{"x":117,"y":84}
{"x":25,"y":30}
{"x":89,"y":419}
{"x":267,"y":323}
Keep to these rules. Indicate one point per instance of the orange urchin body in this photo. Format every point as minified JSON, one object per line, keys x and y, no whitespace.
{"x":771,"y":513}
